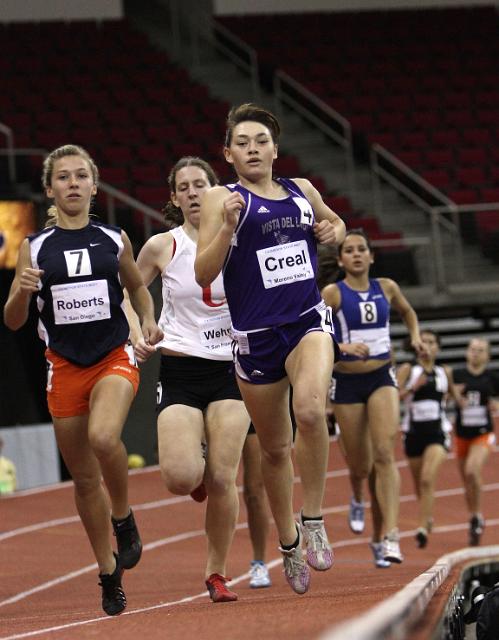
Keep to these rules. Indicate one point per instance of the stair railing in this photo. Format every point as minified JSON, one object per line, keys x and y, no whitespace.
{"x":289,"y":92}
{"x":388,"y":168}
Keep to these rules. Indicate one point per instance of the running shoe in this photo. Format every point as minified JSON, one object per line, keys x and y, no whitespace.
{"x":217,"y":589}
{"x":199,"y":494}
{"x":296,"y":569}
{"x":477,"y":525}
{"x":421,"y":537}
{"x":356,"y":518}
{"x":319,"y":552}
{"x":128,"y":540}
{"x":259,"y":575}
{"x":379,"y":561}
{"x":391,"y":547}
{"x":113,"y":596}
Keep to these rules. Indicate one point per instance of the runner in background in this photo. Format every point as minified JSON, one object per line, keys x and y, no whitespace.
{"x":424,"y":387}
{"x":478,"y":389}
{"x":364,"y":391}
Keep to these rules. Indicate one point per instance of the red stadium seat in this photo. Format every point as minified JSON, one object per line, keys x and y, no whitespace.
{"x":471,"y":176}
{"x":490,"y":194}
{"x":472,"y":156}
{"x":439,"y":157}
{"x":463,"y":196}
{"x":339,"y":204}
{"x":413,"y":140}
{"x":287,"y":166}
{"x":476,"y":136}
{"x":368,"y":223}
{"x":155,"y":197}
{"x":445,"y":138}
{"x":439,"y":178}
{"x":116,"y":176}
{"x":148,"y":174}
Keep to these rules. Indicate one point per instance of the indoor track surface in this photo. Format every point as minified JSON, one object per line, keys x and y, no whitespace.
{"x":49,"y":579}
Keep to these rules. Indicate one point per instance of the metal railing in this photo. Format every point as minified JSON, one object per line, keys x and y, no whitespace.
{"x":288,"y":91}
{"x":240,"y":53}
{"x":201,"y":26}
{"x":421,"y":252}
{"x":11,"y":160}
{"x":385,"y":166}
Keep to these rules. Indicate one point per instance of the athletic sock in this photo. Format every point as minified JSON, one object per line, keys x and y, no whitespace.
{"x":288,"y":547}
{"x":305,"y":518}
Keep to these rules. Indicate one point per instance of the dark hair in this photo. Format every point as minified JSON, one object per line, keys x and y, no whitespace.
{"x":251,"y":112}
{"x":406,"y":343}
{"x":356,"y":232}
{"x":327,"y":265}
{"x":173,"y":214}
{"x":432,"y":333}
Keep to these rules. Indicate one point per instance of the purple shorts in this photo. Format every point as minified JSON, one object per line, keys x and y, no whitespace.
{"x":260,"y":356}
{"x":355,"y":388}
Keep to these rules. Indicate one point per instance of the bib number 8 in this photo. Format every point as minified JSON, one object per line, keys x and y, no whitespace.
{"x":368,"y":312}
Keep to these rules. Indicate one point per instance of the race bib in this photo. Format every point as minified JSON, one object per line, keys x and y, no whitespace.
{"x":306,"y":211}
{"x":474,"y":416}
{"x":215,"y":334}
{"x":285,"y":264}
{"x":425,"y":411}
{"x":377,"y":340}
{"x":81,"y":302}
{"x":326,"y":314}
{"x":242,"y":341}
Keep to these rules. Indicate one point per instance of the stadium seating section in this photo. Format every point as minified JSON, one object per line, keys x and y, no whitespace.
{"x":423,"y":84}
{"x":104,"y":86}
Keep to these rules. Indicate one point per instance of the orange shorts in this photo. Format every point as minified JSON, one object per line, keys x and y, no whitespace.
{"x":463,"y":445}
{"x":69,"y":386}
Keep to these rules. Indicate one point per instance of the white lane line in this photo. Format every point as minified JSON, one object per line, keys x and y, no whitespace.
{"x":157,"y":504}
{"x":187,"y":535}
{"x":244,"y":525}
{"x":93,"y":567}
{"x":145,"y":506}
{"x":67,"y":484}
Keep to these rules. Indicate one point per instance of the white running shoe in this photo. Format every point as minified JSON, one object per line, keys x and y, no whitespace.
{"x":356,"y":518}
{"x":379,"y":561}
{"x":391,"y":547}
{"x":319,"y":552}
{"x":296,"y":569}
{"x":259,"y":575}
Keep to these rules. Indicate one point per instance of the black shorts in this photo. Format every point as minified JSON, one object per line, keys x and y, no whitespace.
{"x":416,"y":443}
{"x":195,"y":382}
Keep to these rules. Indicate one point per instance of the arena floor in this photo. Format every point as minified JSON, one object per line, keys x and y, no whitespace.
{"x":49,"y":580}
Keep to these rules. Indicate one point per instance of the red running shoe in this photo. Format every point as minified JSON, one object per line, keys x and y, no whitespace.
{"x":217,"y":589}
{"x":199,"y":494}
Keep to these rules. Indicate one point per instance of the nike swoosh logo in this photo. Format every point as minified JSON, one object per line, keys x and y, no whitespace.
{"x":94,"y":244}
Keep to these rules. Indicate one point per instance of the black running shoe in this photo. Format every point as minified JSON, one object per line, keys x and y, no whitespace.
{"x":113,"y":596}
{"x":476,"y":529}
{"x":128,"y":539}
{"x":421,"y":537}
